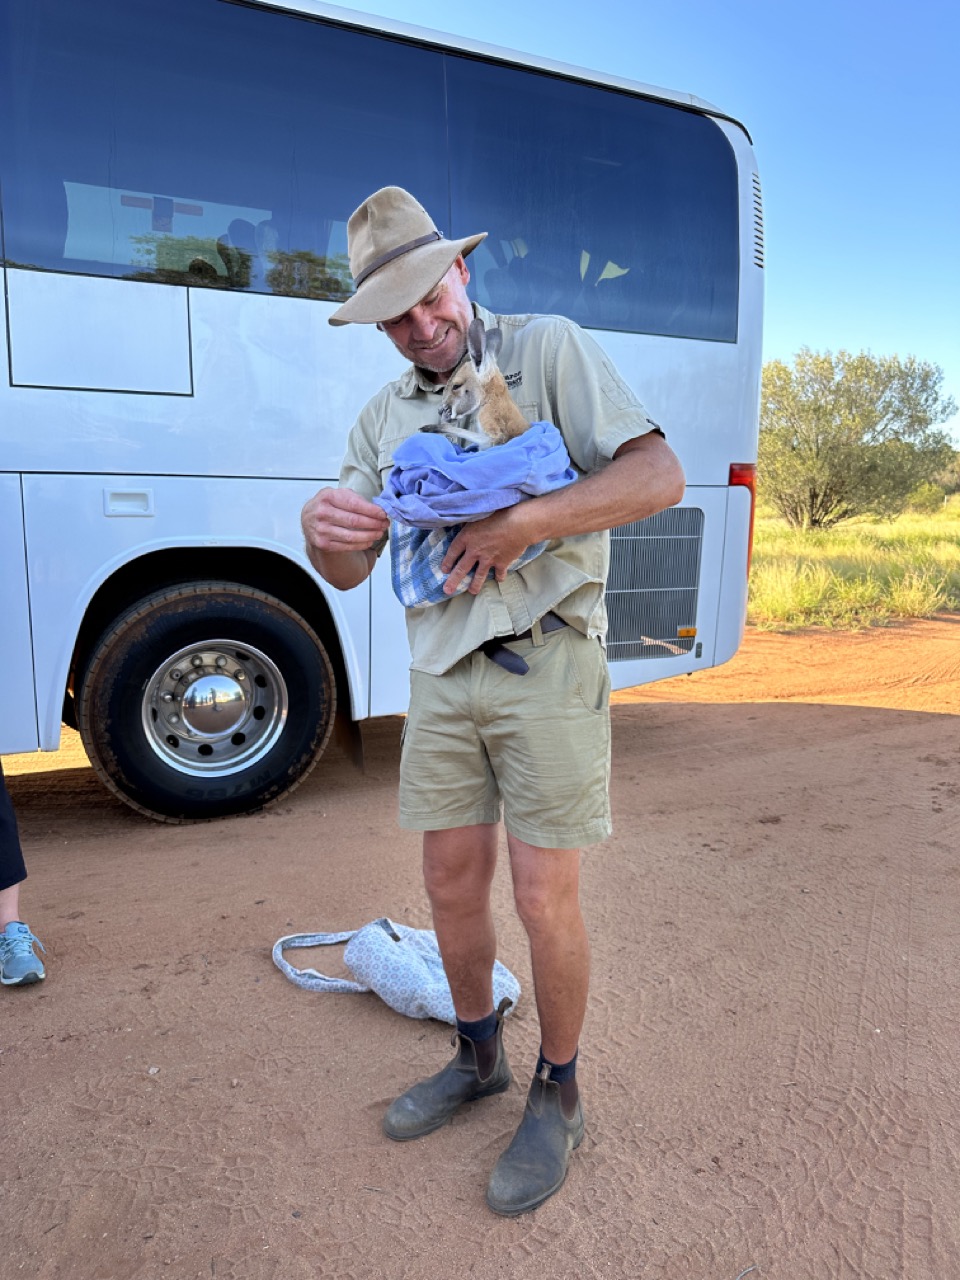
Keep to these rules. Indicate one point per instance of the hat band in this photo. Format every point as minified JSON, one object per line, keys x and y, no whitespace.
{"x":384,"y":258}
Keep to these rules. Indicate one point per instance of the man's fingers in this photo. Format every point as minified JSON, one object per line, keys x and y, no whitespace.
{"x":480,"y":575}
{"x":454,"y":552}
{"x":466,"y":566}
{"x":340,"y":520}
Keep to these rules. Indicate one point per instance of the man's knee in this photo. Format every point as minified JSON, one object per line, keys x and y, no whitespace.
{"x":458,"y":866}
{"x":547,"y":898}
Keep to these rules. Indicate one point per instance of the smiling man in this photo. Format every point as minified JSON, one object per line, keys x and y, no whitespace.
{"x":481,"y":738}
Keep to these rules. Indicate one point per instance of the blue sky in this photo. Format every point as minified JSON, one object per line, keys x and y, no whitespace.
{"x":853,"y":110}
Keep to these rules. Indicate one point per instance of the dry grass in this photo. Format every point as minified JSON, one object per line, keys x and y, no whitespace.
{"x":858,"y":575}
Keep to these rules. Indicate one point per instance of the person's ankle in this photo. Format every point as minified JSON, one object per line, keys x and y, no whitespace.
{"x":564,"y":1075}
{"x":482,"y":1034}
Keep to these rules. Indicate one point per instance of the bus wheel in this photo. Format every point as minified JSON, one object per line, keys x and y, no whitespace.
{"x":206,"y":699}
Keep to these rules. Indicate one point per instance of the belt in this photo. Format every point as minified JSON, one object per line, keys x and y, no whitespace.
{"x":496,"y":650}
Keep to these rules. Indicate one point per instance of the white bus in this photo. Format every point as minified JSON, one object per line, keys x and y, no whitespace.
{"x":176,"y":181}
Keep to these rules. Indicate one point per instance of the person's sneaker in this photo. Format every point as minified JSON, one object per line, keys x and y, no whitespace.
{"x":19,"y":963}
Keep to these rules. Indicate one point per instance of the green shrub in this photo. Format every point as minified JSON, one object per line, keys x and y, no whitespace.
{"x":926,"y":499}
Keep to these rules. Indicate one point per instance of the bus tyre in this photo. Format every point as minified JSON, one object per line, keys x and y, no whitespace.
{"x":206,"y":699}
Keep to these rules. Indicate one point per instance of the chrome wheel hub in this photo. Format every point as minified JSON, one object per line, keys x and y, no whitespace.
{"x":215,"y":708}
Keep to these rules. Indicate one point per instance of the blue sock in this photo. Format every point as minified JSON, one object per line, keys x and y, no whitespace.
{"x":482,"y":1029}
{"x":561,"y":1072}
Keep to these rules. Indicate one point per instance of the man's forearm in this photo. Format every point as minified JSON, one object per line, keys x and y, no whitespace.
{"x":343,"y":569}
{"x":641,"y":480}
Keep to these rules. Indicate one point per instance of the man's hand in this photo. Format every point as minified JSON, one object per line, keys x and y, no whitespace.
{"x":492,"y":543}
{"x":643,"y":478}
{"x":340,"y":520}
{"x":340,"y":528}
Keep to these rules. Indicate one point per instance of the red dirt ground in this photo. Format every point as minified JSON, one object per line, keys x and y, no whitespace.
{"x":770,"y":1065}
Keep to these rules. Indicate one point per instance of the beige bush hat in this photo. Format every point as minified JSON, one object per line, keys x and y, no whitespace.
{"x":396,"y":254}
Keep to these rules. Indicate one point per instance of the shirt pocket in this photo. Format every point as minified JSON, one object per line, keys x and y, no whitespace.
{"x":531,"y":411}
{"x":385,"y":456}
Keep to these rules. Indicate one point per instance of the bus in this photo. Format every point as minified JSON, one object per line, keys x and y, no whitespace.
{"x":175,"y":183}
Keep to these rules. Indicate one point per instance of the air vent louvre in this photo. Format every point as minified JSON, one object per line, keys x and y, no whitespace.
{"x":757,"y":222}
{"x":653,"y":583}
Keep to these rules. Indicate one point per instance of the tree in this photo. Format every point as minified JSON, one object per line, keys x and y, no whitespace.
{"x":948,"y":478}
{"x":848,"y":435}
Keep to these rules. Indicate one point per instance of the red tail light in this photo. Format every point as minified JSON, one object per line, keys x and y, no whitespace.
{"x":745,"y":473}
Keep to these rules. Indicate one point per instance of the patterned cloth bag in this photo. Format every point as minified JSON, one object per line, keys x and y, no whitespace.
{"x":402,"y":965}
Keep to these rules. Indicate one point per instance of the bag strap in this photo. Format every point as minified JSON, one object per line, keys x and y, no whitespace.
{"x":310,"y":979}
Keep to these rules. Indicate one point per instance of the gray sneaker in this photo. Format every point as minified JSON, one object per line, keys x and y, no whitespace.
{"x":19,"y":963}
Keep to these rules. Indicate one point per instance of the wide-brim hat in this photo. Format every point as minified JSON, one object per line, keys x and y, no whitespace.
{"x":397,"y":255}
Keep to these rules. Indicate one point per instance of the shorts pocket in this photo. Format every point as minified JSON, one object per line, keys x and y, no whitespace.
{"x":589,"y":664}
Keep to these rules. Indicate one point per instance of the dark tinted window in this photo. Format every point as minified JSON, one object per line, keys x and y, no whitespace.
{"x":617,"y":212}
{"x":195,"y":141}
{"x":202,"y":142}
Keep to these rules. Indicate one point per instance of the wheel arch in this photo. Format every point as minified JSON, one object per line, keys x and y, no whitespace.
{"x":255,"y":567}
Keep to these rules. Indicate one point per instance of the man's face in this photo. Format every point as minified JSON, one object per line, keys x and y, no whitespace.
{"x":433,"y":334}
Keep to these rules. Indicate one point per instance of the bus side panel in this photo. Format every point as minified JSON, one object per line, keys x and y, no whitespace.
{"x":733,"y":580}
{"x":389,"y":651}
{"x":18,"y":725}
{"x":81,"y":529}
{"x":275,"y":389}
{"x":104,"y":335}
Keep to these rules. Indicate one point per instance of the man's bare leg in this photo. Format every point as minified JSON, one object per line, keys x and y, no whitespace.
{"x":458,"y":867}
{"x":546,"y":885}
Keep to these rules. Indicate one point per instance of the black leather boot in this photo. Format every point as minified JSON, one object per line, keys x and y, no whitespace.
{"x":534,"y":1165}
{"x":428,"y":1105}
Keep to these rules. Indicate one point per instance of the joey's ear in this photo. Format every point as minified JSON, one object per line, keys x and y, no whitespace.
{"x":494,"y":342}
{"x":476,"y":341}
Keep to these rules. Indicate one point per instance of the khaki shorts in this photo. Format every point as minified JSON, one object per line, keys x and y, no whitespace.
{"x":539,"y":742}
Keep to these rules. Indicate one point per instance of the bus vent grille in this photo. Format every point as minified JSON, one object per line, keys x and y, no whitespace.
{"x":653,"y":583}
{"x":757,"y":222}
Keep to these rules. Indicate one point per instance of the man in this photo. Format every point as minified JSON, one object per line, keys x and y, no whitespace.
{"x":19,"y":963}
{"x":480,"y":728}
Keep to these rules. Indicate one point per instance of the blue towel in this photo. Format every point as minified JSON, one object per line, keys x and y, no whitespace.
{"x":435,"y":483}
{"x":436,"y":487}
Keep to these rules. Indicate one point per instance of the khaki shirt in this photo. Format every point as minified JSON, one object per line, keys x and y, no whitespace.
{"x":556,"y":373}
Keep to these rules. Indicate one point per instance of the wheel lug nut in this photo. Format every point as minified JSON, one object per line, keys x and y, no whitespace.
{"x":238,"y":675}
{"x":174,"y":719}
{"x":221,"y":661}
{"x":196,"y":660}
{"x":167,"y":697}
{"x":176,"y":674}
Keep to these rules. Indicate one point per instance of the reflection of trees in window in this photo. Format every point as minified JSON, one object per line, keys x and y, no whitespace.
{"x":177,"y":260}
{"x":197,"y":260}
{"x":304,"y":274}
